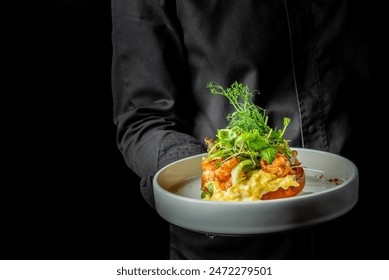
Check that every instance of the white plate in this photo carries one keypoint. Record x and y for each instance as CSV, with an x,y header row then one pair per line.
x,y
177,198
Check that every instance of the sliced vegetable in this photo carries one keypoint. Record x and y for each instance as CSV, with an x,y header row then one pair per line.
x,y
235,172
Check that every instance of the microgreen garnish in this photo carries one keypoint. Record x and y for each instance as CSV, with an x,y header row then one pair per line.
x,y
247,135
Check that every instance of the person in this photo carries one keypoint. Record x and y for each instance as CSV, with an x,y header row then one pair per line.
x,y
306,58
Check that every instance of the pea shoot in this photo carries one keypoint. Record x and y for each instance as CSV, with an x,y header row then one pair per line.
x,y
247,135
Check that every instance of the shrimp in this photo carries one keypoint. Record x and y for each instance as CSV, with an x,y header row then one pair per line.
x,y
209,142
280,166
209,167
296,161
223,173
212,171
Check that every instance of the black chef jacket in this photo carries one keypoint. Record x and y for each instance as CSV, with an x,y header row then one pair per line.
x,y
306,58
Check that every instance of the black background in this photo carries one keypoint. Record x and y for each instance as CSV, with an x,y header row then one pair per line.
x,y
67,192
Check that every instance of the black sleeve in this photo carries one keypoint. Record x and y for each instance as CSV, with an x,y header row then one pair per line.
x,y
147,68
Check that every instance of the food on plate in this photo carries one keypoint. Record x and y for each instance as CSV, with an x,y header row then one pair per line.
x,y
248,160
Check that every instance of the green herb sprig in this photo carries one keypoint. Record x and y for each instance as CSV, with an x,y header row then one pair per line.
x,y
247,135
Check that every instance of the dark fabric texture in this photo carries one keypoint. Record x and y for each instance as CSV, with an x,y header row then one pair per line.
x,y
308,59
174,146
